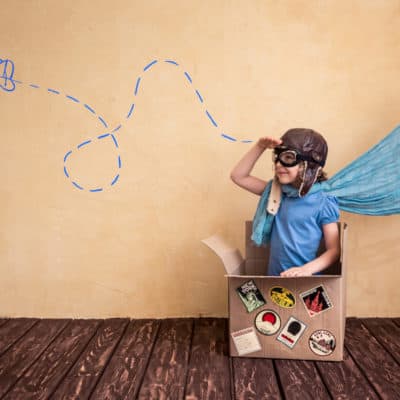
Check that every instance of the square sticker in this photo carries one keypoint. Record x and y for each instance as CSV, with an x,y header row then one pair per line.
x,y
246,341
316,300
250,296
291,332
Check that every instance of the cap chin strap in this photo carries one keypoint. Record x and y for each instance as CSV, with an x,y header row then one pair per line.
x,y
274,199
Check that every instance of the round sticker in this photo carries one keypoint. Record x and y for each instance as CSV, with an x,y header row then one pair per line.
x,y
267,322
322,342
282,297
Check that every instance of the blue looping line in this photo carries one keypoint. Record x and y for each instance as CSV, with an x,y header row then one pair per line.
x,y
211,119
53,91
103,122
67,155
149,65
130,111
115,140
137,85
103,136
115,180
199,96
188,77
89,108
83,144
66,172
75,184
228,137
72,98
171,62
117,128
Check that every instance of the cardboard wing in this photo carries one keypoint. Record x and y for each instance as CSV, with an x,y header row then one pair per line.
x,y
231,257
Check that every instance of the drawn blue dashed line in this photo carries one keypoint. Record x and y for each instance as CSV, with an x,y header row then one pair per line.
x,y
211,119
247,141
117,128
137,85
53,91
119,162
103,122
115,180
96,190
67,155
34,86
228,137
188,77
66,172
89,108
199,96
171,62
115,141
149,65
83,144
75,184
103,136
72,98
15,81
130,111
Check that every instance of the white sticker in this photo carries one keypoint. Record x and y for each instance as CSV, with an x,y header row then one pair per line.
x,y
291,333
246,341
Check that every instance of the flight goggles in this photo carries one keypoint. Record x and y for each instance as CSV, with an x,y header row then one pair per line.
x,y
289,157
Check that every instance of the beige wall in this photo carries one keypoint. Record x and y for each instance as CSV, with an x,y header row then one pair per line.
x,y
261,66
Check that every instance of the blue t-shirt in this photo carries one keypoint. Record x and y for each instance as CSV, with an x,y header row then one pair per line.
x,y
297,229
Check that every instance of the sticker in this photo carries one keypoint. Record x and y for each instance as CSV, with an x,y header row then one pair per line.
x,y
267,322
246,341
322,342
291,333
282,297
316,300
250,296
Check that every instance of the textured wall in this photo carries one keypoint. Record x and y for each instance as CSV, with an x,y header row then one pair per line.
x,y
134,248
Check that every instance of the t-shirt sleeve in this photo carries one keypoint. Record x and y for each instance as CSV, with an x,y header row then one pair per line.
x,y
329,211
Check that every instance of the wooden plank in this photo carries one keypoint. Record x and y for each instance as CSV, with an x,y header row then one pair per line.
x,y
26,351
48,371
3,321
165,377
125,371
344,380
209,365
82,378
396,321
13,330
387,333
301,380
379,367
255,379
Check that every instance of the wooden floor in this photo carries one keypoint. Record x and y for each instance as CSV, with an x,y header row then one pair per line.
x,y
184,359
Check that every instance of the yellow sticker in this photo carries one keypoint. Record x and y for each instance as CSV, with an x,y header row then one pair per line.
x,y
282,297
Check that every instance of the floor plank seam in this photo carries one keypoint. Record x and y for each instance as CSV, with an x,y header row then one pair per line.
x,y
139,387
37,357
321,375
75,361
109,358
381,343
189,359
278,380
361,370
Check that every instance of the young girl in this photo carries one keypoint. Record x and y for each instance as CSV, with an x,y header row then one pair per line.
x,y
294,213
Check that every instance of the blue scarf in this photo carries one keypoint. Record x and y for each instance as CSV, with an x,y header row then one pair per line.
x,y
370,185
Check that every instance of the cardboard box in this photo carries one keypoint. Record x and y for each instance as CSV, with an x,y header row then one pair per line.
x,y
276,317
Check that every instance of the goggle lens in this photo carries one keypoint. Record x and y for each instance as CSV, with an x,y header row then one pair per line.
x,y
288,158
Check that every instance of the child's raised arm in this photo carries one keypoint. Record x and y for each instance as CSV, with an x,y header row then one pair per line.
x,y
241,172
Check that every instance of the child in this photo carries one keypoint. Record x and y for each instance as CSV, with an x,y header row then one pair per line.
x,y
304,214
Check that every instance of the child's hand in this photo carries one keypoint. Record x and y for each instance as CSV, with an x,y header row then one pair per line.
x,y
296,271
268,142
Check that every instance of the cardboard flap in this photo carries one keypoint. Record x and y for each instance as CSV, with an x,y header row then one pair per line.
x,y
231,257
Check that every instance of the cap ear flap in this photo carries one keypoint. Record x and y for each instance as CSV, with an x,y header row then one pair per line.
x,y
309,177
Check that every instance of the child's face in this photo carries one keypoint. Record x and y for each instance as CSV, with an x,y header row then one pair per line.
x,y
287,175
